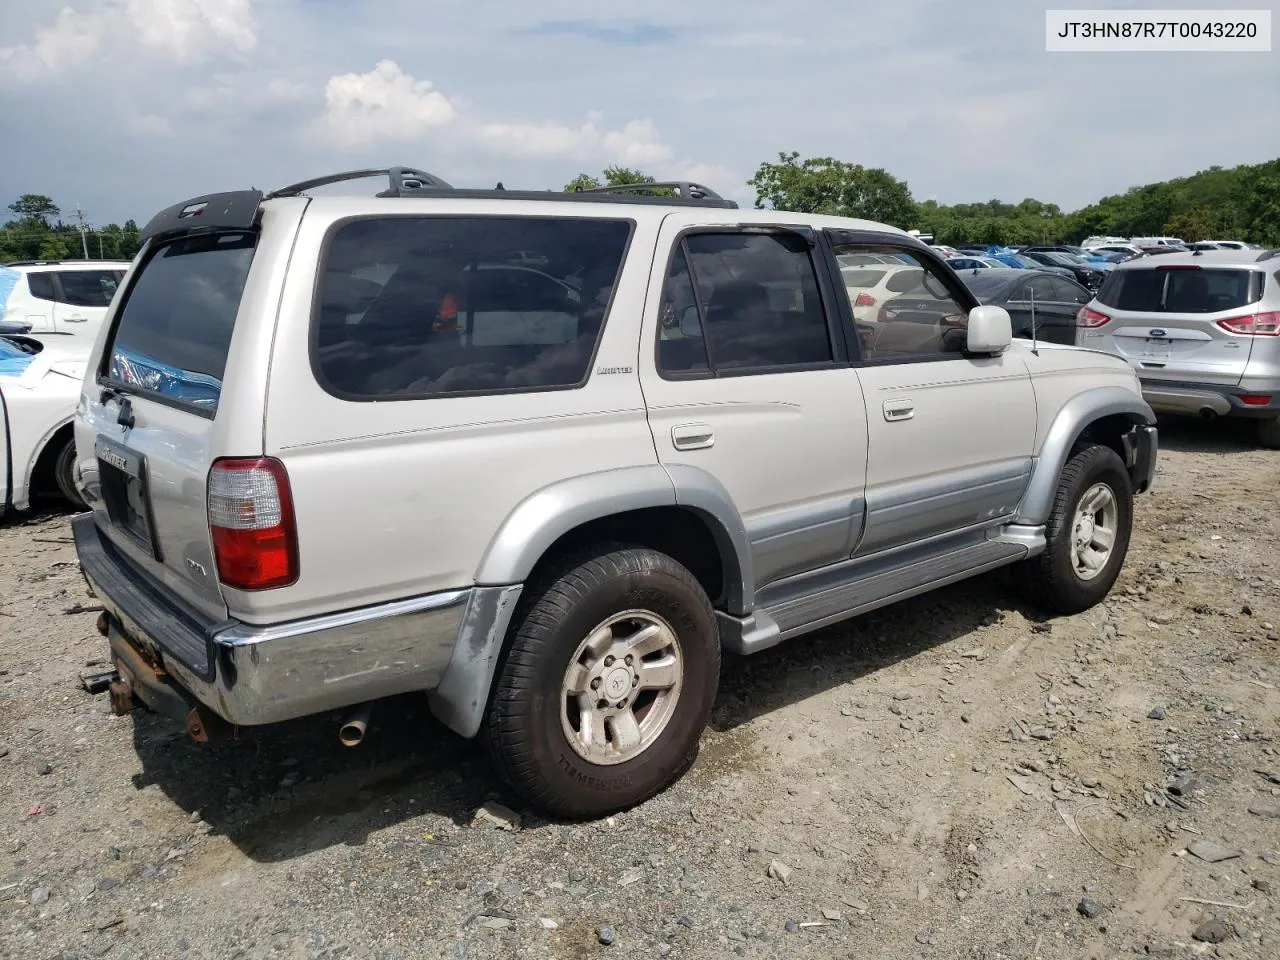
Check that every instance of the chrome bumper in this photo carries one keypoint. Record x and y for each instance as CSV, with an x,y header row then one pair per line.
x,y
265,674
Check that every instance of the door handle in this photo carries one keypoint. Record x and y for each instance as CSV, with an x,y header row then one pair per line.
x,y
76,319
692,436
901,409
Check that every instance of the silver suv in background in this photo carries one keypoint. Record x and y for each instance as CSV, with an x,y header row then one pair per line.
x,y
1201,329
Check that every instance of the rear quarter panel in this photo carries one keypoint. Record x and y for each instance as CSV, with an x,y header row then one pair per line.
x,y
401,498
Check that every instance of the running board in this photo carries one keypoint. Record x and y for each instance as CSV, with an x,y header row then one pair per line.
x,y
771,625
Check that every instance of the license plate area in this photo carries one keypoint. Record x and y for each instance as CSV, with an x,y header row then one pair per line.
x,y
125,493
1155,349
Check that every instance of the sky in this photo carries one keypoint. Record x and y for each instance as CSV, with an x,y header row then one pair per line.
x,y
127,106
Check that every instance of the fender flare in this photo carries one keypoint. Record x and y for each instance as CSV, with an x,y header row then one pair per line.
x,y
1071,421
37,452
462,695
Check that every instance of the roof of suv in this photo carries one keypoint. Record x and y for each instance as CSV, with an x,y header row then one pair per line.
x,y
238,210
30,265
1204,258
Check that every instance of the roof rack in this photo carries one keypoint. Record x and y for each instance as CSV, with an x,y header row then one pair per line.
x,y
403,181
685,190
54,263
1267,255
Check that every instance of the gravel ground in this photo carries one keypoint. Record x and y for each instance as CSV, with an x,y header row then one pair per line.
x,y
954,776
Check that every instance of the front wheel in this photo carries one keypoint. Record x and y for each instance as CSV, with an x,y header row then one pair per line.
x,y
608,684
1087,534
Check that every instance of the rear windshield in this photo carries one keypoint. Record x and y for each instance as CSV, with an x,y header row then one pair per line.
x,y
412,307
861,278
1180,291
172,335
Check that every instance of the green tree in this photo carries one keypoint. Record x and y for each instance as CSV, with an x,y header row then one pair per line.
x,y
35,206
613,176
1193,226
829,186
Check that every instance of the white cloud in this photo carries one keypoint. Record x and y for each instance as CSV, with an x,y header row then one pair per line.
x,y
636,143
186,30
385,104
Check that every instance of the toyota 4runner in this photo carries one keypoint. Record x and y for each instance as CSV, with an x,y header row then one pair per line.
x,y
546,456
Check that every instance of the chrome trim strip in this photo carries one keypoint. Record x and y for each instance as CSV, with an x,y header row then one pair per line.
x,y
244,634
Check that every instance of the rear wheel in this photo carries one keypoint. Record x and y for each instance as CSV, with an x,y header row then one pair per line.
x,y
1087,534
64,474
1269,433
608,684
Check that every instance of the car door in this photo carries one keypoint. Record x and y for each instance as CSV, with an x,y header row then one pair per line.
x,y
39,301
749,388
950,436
81,298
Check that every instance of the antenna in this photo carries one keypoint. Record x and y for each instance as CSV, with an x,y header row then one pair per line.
x,y
1034,346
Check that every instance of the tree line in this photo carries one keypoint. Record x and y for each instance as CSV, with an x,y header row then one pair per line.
x,y
37,232
1239,203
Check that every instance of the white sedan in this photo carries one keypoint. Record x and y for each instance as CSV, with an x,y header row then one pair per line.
x,y
39,385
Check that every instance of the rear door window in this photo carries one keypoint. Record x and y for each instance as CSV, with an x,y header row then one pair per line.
x,y
41,285
415,307
88,288
172,334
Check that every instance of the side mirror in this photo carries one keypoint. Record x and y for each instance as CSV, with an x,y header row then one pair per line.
x,y
990,330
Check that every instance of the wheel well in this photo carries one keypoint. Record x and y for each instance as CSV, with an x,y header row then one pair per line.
x,y
682,534
42,480
1108,431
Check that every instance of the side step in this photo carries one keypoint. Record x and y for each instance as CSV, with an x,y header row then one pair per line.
x,y
862,593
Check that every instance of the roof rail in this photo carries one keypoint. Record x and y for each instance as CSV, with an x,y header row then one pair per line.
x,y
1267,255
685,190
403,181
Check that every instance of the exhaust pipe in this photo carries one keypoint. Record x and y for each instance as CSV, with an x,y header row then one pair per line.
x,y
1208,413
352,731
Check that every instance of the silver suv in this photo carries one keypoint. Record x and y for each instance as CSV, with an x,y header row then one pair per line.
x,y
544,457
1201,329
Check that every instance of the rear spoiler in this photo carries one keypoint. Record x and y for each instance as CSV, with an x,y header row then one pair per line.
x,y
237,210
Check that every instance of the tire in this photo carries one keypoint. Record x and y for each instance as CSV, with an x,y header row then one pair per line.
x,y
64,467
1053,580
1269,433
585,614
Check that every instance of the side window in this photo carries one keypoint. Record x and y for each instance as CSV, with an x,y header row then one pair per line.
x,y
41,285
1021,293
1067,292
414,307
756,305
912,315
1044,289
87,288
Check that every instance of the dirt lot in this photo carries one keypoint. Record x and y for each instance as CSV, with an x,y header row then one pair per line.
x,y
951,777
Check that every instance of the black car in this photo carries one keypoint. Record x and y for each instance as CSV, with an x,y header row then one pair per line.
x,y
1054,299
1084,274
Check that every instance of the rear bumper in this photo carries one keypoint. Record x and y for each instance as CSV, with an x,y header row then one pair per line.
x,y
266,674
1197,399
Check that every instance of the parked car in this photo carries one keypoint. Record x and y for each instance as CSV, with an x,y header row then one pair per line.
x,y
1201,329
1162,249
59,296
1156,241
868,287
1088,274
1056,248
1020,262
39,385
1090,242
1234,245
1032,297
1126,250
975,263
556,538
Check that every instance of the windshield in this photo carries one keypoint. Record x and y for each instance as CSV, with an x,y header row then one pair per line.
x,y
172,336
1159,290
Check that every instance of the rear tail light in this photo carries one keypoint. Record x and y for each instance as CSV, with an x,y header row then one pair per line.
x,y
864,299
1091,318
255,541
1257,400
1256,325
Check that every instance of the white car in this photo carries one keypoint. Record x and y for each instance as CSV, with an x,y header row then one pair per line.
x,y
59,296
871,285
1090,242
39,384
1234,245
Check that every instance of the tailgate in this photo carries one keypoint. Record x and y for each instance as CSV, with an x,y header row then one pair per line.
x,y
146,429
1166,321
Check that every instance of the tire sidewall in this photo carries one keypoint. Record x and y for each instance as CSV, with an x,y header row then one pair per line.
x,y
599,788
1103,466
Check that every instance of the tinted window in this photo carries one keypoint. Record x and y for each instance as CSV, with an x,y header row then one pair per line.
x,y
40,285
1179,291
426,306
1064,291
171,337
88,288
923,320
757,300
681,346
